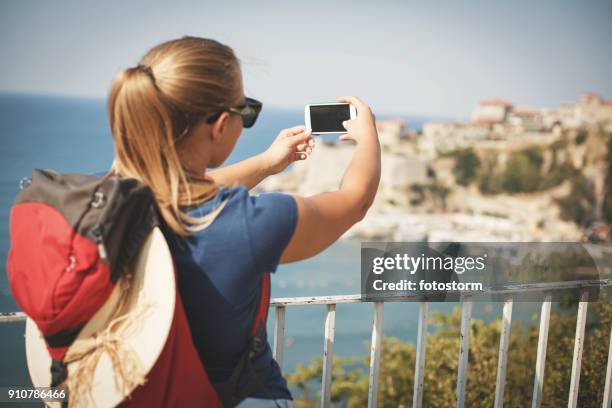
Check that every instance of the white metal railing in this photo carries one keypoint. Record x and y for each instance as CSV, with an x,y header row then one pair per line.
x,y
280,305
508,292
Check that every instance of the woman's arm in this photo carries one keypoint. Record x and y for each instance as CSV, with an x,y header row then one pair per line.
x,y
248,173
323,218
290,145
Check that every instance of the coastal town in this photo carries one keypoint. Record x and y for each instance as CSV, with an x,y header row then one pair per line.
x,y
512,173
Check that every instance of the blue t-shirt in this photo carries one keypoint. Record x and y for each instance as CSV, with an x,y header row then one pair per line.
x,y
219,274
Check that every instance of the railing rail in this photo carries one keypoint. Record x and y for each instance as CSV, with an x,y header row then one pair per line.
x,y
504,341
508,292
464,349
538,383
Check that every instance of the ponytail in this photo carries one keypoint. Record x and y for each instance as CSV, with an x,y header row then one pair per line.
x,y
144,125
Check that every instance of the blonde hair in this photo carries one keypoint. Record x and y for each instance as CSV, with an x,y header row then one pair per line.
x,y
152,107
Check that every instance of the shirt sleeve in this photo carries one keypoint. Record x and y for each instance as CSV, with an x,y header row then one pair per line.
x,y
270,221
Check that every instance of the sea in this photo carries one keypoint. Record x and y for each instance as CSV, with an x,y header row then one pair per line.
x,y
72,135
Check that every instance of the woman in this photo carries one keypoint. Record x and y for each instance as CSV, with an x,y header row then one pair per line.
x,y
180,112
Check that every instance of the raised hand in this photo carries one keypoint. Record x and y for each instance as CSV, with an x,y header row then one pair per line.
x,y
290,145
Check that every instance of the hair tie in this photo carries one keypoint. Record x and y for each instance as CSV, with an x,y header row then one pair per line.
x,y
146,69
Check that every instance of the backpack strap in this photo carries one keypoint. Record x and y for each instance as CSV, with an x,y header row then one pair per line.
x,y
59,373
230,392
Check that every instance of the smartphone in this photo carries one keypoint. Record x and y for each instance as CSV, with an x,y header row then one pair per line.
x,y
323,118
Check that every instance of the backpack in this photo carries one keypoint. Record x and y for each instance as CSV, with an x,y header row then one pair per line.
x,y
72,236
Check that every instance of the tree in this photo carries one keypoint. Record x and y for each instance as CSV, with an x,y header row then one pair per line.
x,y
522,173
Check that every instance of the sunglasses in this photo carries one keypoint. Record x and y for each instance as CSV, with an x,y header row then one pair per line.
x,y
248,112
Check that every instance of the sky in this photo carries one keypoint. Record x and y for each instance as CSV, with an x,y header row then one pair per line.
x,y
430,58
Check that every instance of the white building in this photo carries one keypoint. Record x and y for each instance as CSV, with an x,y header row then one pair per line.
x,y
526,119
491,111
391,132
590,109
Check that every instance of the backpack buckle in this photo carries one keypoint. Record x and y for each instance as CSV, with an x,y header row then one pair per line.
x,y
25,182
99,200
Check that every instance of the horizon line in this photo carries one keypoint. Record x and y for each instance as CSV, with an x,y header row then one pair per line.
x,y
95,98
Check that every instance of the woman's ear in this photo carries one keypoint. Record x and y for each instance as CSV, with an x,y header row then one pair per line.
x,y
219,127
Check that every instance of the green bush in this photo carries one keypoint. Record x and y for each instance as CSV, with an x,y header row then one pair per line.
x,y
578,205
466,166
581,137
522,173
490,183
557,174
396,378
433,191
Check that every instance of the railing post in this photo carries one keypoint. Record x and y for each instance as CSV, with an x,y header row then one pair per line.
x,y
375,354
504,341
607,399
578,346
279,335
464,349
538,382
328,355
419,369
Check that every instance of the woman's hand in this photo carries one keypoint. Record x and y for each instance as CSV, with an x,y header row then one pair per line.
x,y
363,127
290,145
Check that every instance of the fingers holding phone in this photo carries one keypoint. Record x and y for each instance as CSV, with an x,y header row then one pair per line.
x,y
290,145
363,126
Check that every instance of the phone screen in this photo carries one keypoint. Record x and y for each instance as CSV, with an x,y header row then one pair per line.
x,y
329,118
